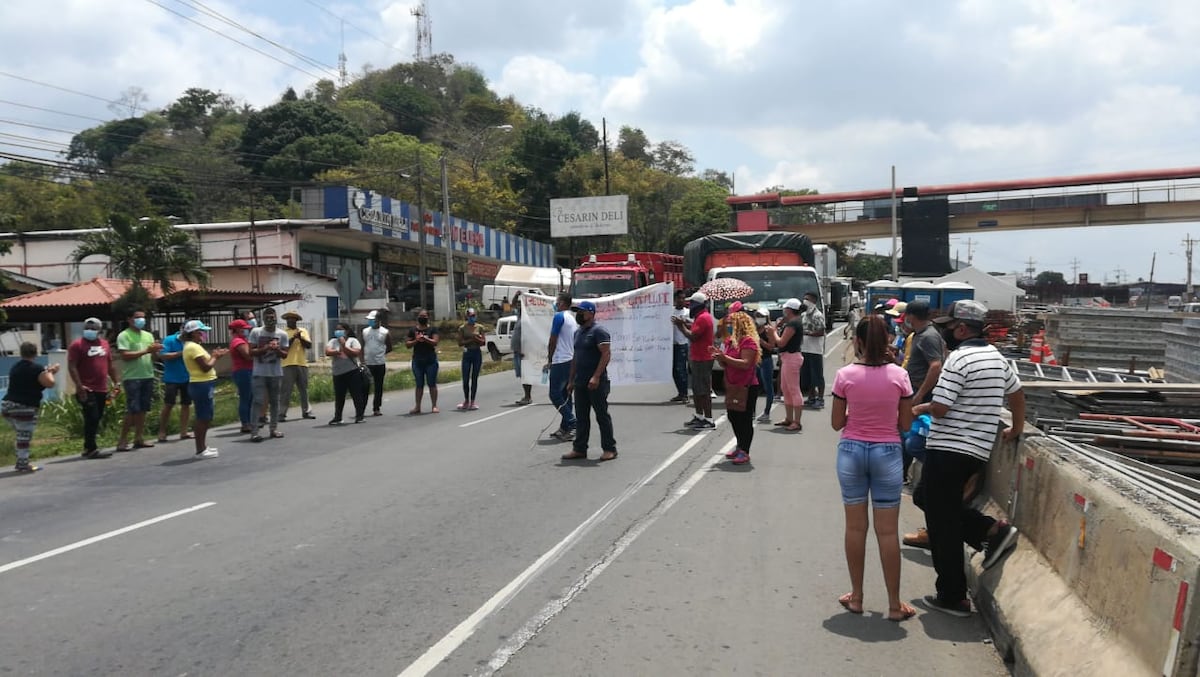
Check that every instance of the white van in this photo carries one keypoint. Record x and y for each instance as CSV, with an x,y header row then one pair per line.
x,y
494,296
499,342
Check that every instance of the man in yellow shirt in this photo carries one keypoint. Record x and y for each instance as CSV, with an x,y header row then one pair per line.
x,y
295,366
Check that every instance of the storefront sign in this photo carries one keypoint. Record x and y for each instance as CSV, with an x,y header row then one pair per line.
x,y
607,215
481,269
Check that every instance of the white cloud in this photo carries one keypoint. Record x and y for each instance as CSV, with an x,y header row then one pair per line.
x,y
541,82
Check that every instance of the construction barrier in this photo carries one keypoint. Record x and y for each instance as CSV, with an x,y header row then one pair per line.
x,y
1104,577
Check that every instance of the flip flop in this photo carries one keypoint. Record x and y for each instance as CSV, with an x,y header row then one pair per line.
x,y
848,603
905,612
182,436
143,445
414,412
435,410
275,434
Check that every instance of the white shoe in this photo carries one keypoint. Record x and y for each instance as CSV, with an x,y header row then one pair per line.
x,y
210,452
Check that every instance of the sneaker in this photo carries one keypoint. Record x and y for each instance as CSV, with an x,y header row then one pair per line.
x,y
696,420
377,413
563,435
917,540
765,418
1000,544
27,467
471,406
462,406
808,402
309,414
210,452
678,398
960,609
705,424
336,421
733,452
742,458
818,403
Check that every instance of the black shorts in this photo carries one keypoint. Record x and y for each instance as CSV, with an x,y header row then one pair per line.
x,y
170,390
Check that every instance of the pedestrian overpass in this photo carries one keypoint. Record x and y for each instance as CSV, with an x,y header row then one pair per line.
x,y
1113,199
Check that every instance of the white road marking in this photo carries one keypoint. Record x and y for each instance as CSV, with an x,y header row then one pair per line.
x,y
437,653
835,347
102,537
530,629
503,413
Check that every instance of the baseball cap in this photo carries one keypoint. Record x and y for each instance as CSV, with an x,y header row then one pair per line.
x,y
470,311
918,309
891,302
965,310
93,322
898,309
699,297
763,312
792,304
195,325
235,325
585,305
373,314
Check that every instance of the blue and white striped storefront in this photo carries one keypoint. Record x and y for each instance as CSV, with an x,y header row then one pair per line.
x,y
372,213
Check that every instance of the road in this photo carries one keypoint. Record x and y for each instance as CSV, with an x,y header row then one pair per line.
x,y
457,544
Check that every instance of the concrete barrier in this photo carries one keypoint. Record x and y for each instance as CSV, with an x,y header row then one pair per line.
x,y
1104,577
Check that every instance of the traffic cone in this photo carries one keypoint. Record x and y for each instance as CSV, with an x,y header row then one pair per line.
x,y
1048,354
1035,348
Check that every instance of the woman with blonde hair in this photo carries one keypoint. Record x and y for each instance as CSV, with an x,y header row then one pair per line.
x,y
740,357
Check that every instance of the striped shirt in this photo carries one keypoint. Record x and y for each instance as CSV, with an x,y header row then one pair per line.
x,y
975,378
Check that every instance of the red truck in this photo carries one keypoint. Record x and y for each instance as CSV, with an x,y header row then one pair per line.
x,y
617,272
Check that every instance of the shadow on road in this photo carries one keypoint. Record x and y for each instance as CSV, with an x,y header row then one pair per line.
x,y
917,556
869,627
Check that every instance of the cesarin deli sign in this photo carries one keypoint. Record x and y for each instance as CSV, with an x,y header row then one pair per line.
x,y
583,216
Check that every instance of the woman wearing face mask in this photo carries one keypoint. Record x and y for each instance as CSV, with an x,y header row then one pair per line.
x,y
768,339
243,372
423,340
872,404
344,349
471,338
202,379
791,337
740,357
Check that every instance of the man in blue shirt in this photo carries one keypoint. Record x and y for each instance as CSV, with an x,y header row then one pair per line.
x,y
589,381
175,386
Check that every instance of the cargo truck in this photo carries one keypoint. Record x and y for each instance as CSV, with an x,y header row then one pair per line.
x,y
615,273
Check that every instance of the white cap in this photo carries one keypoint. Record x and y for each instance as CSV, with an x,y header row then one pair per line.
x,y
792,304
699,297
195,325
93,322
372,315
763,312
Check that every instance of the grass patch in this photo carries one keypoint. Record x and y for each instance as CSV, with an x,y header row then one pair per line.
x,y
60,424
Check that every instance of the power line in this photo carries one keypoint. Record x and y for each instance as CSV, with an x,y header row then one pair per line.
x,y
65,89
360,30
196,4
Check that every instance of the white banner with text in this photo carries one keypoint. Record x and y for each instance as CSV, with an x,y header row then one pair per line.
x,y
638,321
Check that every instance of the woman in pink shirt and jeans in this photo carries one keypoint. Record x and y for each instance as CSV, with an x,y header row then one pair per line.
x,y
872,404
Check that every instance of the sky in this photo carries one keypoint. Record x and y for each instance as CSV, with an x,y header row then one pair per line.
x,y
776,92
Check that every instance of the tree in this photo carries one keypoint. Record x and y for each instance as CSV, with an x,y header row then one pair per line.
x,y
276,127
673,158
1048,278
539,152
148,250
633,144
100,147
718,177
129,103
199,110
699,211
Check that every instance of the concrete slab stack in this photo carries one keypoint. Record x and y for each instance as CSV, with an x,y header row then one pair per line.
x,y
1110,338
1183,350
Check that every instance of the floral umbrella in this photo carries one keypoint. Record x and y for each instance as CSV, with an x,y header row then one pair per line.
x,y
726,289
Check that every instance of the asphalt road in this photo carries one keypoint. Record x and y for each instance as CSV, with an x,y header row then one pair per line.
x,y
457,544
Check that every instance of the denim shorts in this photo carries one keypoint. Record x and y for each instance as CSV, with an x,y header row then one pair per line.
x,y
425,373
202,398
139,395
874,468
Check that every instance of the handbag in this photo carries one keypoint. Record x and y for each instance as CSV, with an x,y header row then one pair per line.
x,y
736,397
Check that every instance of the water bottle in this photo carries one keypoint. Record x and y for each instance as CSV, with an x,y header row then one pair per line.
x,y
546,375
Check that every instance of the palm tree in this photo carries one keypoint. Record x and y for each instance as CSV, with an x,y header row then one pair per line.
x,y
149,250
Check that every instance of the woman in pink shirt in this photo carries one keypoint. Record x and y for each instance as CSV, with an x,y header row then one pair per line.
x,y
243,369
740,357
872,404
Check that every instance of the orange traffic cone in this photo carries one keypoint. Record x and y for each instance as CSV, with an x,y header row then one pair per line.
x,y
1048,354
1035,348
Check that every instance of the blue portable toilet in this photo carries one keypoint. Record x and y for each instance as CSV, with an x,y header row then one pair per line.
x,y
955,291
882,290
923,291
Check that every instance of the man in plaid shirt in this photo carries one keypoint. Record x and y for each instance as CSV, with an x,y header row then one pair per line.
x,y
812,347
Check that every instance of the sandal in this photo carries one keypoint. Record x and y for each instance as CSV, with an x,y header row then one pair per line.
x,y
143,445
903,613
123,447
414,412
275,435
784,424
851,602
794,428
256,438
163,439
182,436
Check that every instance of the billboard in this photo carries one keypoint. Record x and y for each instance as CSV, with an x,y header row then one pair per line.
x,y
583,216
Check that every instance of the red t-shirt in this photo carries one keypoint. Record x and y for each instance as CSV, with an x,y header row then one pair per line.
x,y
702,337
239,363
747,376
91,359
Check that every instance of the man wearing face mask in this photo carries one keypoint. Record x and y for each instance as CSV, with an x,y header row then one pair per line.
x,y
174,387
268,347
680,345
560,351
812,348
377,343
701,335
92,369
967,405
137,348
295,367
471,339
588,380
423,340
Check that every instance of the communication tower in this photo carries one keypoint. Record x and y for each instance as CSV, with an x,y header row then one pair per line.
x,y
424,48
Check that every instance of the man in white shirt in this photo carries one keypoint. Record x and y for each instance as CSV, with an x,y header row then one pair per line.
x,y
560,354
377,343
679,355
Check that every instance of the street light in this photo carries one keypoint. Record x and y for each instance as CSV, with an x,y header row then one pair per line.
x,y
446,239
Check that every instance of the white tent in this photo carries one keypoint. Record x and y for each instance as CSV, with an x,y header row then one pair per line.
x,y
990,290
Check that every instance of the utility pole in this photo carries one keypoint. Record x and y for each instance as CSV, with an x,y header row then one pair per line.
x,y
1150,285
421,272
971,242
1188,243
607,186
447,239
895,252
1075,270
1030,267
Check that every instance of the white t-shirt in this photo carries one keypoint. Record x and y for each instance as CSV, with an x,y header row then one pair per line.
x,y
564,327
974,380
340,364
375,345
681,339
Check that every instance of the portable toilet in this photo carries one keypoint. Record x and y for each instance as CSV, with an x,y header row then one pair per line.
x,y
882,290
923,291
955,291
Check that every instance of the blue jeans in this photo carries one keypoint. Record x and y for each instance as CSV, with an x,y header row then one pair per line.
x,y
472,362
766,382
243,379
679,368
870,468
559,375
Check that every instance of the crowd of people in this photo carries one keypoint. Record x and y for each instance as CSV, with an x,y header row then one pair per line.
x,y
907,364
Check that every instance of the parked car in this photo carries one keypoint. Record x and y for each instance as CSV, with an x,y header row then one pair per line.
x,y
499,341
1193,307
